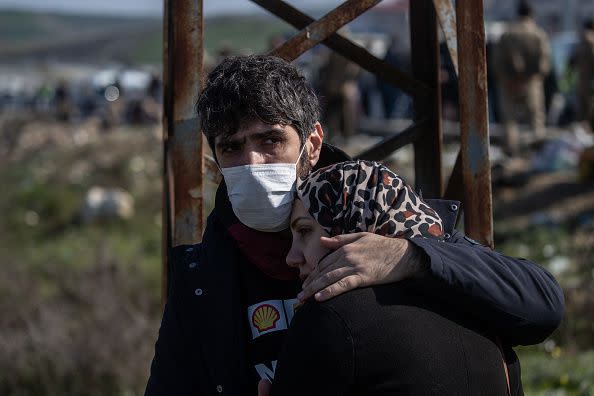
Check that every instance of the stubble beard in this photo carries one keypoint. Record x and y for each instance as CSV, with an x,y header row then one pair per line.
x,y
304,166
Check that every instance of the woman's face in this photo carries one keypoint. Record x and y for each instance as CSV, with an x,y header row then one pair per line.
x,y
306,250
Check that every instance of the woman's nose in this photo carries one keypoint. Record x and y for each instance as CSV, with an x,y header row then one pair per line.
x,y
294,257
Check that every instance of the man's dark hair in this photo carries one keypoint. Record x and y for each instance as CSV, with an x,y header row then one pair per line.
x,y
589,24
525,9
256,87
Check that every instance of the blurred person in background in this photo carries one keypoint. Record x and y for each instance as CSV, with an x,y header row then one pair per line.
x,y
63,101
584,61
231,297
493,91
522,59
340,94
395,103
224,50
449,83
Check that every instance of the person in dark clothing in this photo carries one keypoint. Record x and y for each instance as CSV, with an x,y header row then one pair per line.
x,y
449,84
231,297
376,340
395,103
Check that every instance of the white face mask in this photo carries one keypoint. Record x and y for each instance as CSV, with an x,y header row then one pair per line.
x,y
262,195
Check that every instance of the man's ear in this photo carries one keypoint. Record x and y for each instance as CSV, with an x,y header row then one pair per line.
x,y
314,143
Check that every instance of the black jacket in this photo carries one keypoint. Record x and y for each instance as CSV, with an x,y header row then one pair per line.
x,y
383,340
200,339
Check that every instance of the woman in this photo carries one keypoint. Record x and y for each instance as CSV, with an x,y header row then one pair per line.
x,y
379,340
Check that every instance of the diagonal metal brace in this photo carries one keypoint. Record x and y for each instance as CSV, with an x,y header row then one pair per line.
x,y
387,146
447,20
349,50
318,31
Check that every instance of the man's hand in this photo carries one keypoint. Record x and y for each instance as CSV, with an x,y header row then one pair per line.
x,y
264,388
359,260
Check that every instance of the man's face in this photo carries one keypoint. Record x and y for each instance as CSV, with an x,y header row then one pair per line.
x,y
259,143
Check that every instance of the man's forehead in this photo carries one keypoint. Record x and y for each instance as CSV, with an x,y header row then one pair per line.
x,y
254,128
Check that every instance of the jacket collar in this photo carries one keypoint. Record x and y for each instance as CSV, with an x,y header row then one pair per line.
x,y
448,211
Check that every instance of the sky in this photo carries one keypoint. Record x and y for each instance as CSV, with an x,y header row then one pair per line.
x,y
146,7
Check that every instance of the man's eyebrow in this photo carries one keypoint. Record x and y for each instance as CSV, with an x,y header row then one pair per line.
x,y
272,132
227,141
297,219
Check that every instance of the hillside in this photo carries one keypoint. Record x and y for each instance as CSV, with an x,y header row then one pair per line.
x,y
83,38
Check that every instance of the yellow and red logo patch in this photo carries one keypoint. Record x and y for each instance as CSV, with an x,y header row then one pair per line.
x,y
270,315
265,317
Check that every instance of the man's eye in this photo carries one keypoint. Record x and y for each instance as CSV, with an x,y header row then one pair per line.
x,y
228,149
271,141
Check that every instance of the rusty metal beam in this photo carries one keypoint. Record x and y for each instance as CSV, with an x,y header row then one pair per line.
x,y
472,85
425,66
166,223
184,148
318,31
349,50
447,21
388,145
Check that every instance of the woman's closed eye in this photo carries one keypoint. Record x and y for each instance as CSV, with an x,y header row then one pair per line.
x,y
303,231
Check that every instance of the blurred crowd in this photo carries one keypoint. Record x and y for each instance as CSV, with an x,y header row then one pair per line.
x,y
533,80
116,95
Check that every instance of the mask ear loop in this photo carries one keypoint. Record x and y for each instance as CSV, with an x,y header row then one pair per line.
x,y
300,154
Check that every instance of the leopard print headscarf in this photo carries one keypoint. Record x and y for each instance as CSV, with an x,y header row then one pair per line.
x,y
356,196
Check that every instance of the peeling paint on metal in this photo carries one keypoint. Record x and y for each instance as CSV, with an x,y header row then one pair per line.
x,y
184,149
476,154
474,127
447,20
188,131
195,192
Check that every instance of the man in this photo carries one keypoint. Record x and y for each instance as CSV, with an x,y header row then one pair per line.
x,y
522,60
584,59
338,87
231,297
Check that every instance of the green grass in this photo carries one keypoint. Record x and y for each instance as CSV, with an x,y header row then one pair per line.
x,y
42,187
23,26
150,49
246,33
250,33
557,372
